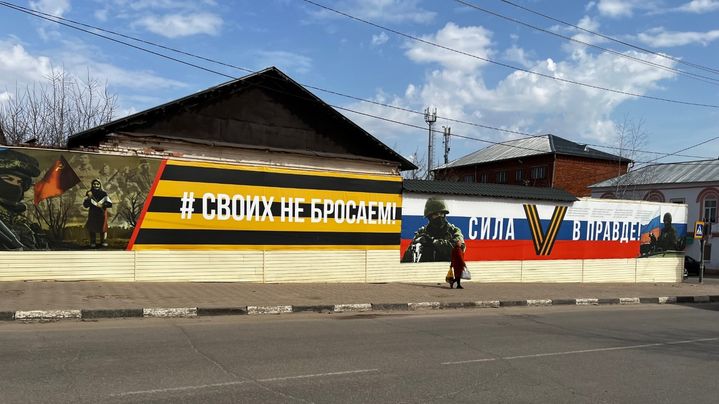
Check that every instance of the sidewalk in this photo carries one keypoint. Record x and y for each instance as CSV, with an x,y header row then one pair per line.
x,y
30,300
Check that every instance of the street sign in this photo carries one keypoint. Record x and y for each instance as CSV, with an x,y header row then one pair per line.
x,y
699,230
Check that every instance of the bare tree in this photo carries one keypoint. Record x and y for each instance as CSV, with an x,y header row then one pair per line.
x,y
421,171
132,209
632,138
48,112
54,213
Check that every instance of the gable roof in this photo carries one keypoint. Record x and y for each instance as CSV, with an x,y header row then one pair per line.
x,y
295,100
667,173
531,146
488,190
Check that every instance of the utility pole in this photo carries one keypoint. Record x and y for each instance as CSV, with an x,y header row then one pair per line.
x,y
430,118
447,131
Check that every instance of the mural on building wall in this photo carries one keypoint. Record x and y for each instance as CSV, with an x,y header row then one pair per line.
x,y
62,200
199,205
493,230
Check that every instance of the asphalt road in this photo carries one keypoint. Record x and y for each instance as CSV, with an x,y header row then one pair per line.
x,y
637,354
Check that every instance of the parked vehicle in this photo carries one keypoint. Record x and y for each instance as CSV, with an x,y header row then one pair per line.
x,y
691,266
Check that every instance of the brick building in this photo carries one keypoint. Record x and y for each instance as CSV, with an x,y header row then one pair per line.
x,y
540,161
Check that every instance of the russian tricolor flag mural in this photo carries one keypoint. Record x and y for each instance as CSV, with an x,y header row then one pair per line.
x,y
501,230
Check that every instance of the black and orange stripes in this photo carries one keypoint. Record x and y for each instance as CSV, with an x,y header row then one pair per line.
x,y
544,241
174,215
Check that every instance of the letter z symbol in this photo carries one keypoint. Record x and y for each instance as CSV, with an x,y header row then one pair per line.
x,y
544,240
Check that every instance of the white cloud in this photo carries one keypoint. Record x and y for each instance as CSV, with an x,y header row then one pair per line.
x,y
380,39
287,61
523,101
380,10
624,8
169,18
518,55
470,40
143,5
660,38
54,7
615,8
102,14
180,25
699,6
19,66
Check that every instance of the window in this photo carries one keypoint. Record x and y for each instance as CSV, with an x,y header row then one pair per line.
x,y
677,200
518,175
710,210
501,177
483,177
539,173
469,178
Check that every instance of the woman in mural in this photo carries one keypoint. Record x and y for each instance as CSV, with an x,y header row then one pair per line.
x,y
97,202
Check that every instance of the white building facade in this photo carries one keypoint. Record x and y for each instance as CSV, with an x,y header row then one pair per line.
x,y
694,183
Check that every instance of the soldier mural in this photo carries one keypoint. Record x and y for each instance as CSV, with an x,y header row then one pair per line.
x,y
667,240
50,202
434,241
17,171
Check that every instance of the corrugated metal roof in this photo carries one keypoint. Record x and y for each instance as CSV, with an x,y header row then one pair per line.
x,y
488,190
668,173
530,146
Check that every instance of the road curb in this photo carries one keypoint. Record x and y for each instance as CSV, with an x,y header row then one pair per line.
x,y
110,313
189,312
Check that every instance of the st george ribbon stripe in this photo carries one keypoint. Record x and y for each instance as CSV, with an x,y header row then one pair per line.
x,y
279,180
250,237
166,204
557,218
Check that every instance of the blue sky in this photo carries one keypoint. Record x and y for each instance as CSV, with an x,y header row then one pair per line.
x,y
320,48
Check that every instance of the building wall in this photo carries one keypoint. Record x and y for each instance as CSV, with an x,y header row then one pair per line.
x,y
490,170
296,265
127,145
574,174
690,194
313,266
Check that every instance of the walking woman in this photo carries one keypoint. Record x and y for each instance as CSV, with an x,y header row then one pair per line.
x,y
457,264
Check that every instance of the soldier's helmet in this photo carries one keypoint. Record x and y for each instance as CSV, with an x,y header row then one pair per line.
x,y
434,205
667,217
19,164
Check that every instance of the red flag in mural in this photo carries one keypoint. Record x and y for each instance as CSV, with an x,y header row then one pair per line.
x,y
58,179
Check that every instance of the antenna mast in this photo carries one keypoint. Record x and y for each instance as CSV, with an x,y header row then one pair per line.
x,y
430,118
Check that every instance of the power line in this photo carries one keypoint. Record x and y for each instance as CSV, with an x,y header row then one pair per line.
x,y
664,155
52,18
687,148
508,66
57,21
607,37
706,79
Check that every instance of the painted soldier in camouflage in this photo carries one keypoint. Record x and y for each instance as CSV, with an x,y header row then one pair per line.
x,y
16,174
434,241
668,239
